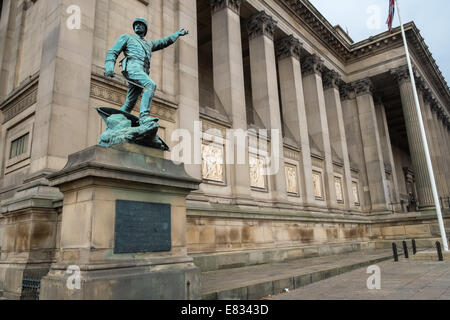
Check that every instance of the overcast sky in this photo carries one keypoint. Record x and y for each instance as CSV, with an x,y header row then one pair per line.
x,y
360,17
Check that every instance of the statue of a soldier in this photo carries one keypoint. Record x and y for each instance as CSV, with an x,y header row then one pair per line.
x,y
136,64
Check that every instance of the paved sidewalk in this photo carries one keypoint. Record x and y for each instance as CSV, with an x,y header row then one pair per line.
x,y
404,280
254,282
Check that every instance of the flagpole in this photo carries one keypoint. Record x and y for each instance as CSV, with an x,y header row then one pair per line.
x,y
424,137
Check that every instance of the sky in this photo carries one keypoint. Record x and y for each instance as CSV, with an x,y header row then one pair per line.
x,y
365,18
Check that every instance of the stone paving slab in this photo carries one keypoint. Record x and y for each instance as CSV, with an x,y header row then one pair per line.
x,y
403,280
255,282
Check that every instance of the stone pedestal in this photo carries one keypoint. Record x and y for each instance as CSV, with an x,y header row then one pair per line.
x,y
119,204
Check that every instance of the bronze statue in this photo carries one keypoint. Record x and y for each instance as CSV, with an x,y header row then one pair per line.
x,y
121,125
136,64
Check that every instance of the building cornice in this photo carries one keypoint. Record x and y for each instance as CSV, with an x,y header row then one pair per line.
x,y
347,52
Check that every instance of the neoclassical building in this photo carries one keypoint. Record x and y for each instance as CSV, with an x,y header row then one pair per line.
x,y
352,169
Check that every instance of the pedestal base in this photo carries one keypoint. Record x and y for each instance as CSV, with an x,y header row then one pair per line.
x,y
161,282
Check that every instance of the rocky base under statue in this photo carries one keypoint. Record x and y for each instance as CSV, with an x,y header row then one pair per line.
x,y
123,127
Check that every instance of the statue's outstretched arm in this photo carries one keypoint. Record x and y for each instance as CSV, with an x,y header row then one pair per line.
x,y
169,40
113,53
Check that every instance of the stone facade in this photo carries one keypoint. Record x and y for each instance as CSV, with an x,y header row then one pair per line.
x,y
351,166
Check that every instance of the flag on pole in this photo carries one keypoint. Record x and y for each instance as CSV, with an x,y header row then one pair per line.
x,y
390,18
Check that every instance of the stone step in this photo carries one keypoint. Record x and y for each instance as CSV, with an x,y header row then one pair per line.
x,y
431,255
255,282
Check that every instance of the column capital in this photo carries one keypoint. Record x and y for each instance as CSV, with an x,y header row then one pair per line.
x,y
261,24
440,112
288,47
434,104
421,84
401,74
346,90
377,99
427,96
331,79
312,64
217,5
363,86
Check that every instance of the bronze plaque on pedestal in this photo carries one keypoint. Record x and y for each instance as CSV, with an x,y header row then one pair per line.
x,y
142,227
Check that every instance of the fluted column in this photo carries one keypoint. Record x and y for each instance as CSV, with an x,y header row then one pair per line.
x,y
354,140
443,141
294,112
336,126
373,154
446,154
261,29
423,184
386,146
317,119
436,144
445,135
228,70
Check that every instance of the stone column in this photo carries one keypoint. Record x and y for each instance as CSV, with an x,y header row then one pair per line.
x,y
446,138
387,149
228,69
64,86
354,140
436,143
443,140
9,43
294,112
317,119
261,29
188,90
430,131
336,126
415,141
373,153
168,71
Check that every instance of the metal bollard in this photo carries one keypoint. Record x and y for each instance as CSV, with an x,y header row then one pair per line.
x,y
439,251
414,248
405,250
394,248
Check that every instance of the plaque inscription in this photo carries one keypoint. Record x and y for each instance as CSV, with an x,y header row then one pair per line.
x,y
142,227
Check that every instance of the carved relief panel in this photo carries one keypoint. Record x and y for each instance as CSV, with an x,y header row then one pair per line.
x,y
212,162
291,179
317,184
257,172
338,187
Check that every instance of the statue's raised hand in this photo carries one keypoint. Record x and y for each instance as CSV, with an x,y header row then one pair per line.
x,y
182,32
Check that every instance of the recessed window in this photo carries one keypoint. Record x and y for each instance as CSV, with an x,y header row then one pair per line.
x,y
19,146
